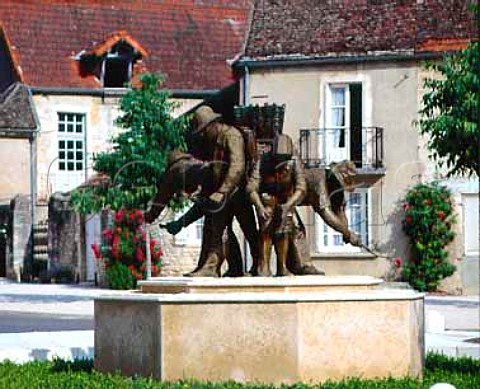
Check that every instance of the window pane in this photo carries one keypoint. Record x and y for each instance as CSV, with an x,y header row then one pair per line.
x,y
338,96
61,144
79,166
79,128
70,166
61,127
70,117
79,156
61,155
61,165
70,144
69,127
79,145
61,117
338,117
70,155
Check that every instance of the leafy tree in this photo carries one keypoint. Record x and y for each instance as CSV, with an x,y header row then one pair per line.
x,y
139,155
451,112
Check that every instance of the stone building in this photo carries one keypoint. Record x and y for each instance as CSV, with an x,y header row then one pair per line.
x,y
75,59
351,76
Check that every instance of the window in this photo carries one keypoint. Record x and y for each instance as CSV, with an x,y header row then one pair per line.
x,y
471,223
71,142
356,209
343,122
117,66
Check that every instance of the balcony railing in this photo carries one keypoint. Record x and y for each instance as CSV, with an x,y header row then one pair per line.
x,y
363,146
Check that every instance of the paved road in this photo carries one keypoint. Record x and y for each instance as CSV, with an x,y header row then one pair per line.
x,y
16,322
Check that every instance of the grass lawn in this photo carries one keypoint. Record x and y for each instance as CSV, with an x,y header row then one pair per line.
x,y
463,373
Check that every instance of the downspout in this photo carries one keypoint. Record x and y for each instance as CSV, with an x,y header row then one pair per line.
x,y
33,191
33,174
245,101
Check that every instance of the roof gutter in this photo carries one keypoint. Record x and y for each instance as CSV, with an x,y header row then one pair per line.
x,y
354,59
119,92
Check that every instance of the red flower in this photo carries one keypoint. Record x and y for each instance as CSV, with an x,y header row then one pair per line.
x,y
440,215
152,245
136,239
131,267
140,254
139,277
115,251
107,234
139,215
397,262
408,219
119,215
96,250
427,202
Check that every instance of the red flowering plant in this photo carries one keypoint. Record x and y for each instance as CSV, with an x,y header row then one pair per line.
x,y
123,250
428,219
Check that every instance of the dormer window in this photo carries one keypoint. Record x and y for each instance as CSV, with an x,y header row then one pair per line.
x,y
112,61
117,65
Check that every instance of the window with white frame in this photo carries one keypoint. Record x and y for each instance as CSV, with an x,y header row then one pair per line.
x,y
343,123
357,212
471,223
71,142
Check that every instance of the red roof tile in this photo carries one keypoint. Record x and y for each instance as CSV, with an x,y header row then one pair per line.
x,y
189,41
285,28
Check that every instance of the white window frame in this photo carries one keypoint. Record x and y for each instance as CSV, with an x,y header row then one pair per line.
x,y
468,207
323,231
331,127
64,179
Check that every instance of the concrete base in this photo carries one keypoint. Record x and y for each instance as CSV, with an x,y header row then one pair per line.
x,y
262,336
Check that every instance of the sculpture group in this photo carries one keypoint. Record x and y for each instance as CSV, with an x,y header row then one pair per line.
x,y
231,170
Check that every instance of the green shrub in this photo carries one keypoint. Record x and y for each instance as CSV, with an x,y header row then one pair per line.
x,y
118,276
463,373
428,219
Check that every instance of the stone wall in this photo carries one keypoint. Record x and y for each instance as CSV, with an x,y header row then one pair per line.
x,y
64,239
21,237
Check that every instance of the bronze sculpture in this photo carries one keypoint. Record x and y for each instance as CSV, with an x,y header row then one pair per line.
x,y
216,177
277,185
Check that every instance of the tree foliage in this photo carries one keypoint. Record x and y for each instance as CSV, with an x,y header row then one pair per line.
x,y
451,112
139,155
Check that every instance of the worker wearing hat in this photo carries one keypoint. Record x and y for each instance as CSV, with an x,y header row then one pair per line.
x,y
223,146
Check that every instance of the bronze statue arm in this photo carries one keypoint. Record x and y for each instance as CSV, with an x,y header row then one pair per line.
x,y
236,169
253,187
300,185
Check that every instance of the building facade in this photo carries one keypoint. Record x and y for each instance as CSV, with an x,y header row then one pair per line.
x,y
351,76
76,59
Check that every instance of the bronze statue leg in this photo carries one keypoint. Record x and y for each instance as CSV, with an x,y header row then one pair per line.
x,y
281,243
265,254
213,253
234,255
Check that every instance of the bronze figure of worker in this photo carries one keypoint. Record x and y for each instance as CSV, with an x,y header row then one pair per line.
x,y
223,146
277,185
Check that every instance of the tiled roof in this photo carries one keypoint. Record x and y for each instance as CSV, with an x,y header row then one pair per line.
x,y
16,110
187,40
306,28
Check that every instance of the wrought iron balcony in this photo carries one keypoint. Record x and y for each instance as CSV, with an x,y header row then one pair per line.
x,y
362,145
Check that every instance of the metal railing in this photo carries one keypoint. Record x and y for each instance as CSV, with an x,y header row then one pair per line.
x,y
361,145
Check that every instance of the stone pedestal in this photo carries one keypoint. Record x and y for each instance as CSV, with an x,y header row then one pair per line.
x,y
261,330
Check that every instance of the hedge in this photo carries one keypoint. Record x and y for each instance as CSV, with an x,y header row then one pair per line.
x,y
463,373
